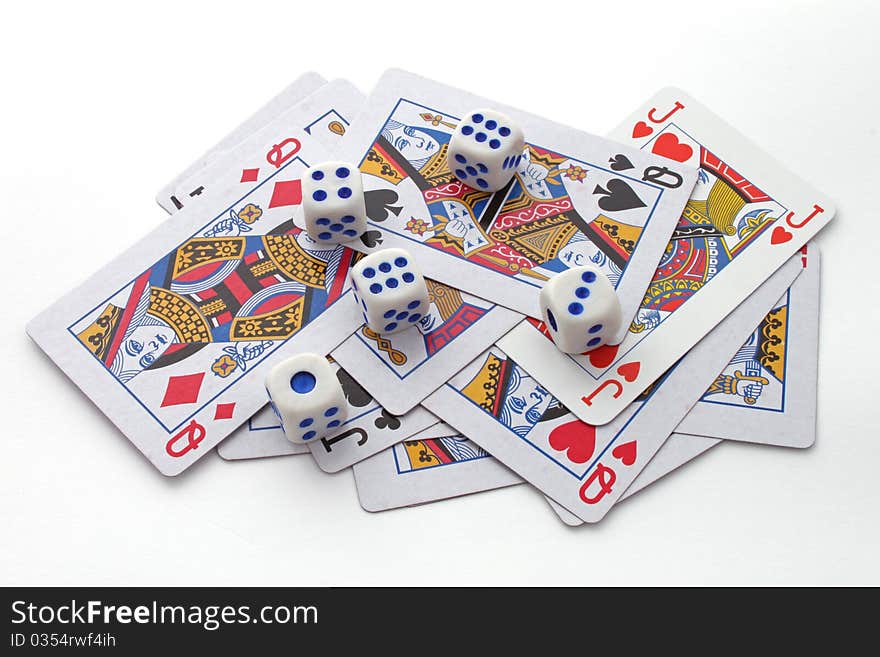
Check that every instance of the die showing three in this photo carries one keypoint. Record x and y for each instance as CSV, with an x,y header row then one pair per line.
x,y
581,309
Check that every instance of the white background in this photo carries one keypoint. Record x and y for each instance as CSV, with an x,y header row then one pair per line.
x,y
102,103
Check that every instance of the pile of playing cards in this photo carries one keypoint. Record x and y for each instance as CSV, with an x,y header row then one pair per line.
x,y
703,235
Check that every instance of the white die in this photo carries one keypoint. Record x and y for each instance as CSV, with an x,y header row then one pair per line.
x,y
307,397
581,309
333,202
485,149
390,289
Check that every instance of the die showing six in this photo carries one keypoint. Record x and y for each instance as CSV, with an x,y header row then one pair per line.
x,y
485,149
307,397
390,290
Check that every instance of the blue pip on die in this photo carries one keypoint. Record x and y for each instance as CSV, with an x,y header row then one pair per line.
x,y
580,309
333,203
390,290
485,149
307,397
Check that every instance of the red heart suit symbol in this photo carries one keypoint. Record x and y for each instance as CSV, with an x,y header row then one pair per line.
x,y
603,356
625,453
641,129
780,235
576,438
630,371
668,145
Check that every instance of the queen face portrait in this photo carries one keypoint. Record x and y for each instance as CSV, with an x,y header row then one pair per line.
x,y
141,347
414,144
145,345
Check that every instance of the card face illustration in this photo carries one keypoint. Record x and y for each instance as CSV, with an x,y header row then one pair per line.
x,y
323,115
186,185
368,429
583,467
747,216
767,393
575,199
426,468
172,339
401,369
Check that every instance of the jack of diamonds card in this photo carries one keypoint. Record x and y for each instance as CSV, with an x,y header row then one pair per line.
x,y
172,339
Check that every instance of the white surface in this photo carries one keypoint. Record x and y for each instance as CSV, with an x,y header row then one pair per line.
x,y
101,105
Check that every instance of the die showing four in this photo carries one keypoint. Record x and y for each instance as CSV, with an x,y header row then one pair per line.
x,y
485,149
581,309
307,397
390,290
333,202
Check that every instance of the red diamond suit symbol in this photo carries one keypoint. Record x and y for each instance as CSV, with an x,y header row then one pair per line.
x,y
183,389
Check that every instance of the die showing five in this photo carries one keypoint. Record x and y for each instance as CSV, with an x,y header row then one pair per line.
x,y
333,202
581,309
390,290
307,397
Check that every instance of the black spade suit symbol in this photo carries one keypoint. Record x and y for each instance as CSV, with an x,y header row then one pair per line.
x,y
352,390
380,202
371,238
619,196
620,162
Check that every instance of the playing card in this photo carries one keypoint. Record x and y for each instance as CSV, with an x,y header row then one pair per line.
x,y
427,468
175,193
787,414
583,467
678,450
401,369
767,393
260,437
368,425
775,407
323,115
747,215
172,339
575,199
